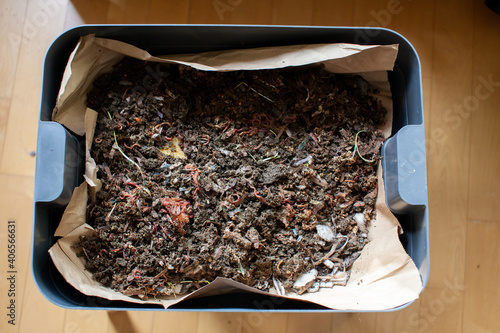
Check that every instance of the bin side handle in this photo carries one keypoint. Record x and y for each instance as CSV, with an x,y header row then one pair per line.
x,y
404,163
56,164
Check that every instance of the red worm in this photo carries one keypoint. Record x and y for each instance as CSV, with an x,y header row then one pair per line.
x,y
133,184
261,199
135,144
136,273
195,174
292,212
234,202
206,137
260,145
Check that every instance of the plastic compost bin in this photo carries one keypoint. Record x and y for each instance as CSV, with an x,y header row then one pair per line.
x,y
60,153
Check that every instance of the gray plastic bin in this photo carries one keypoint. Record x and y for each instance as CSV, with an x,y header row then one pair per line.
x,y
60,153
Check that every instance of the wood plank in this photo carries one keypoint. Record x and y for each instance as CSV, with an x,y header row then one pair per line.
x,y
39,315
333,13
216,322
261,322
12,17
85,321
127,12
255,322
440,309
130,321
353,322
210,12
251,12
175,322
86,12
399,321
73,17
482,263
482,105
292,12
442,305
4,116
451,80
45,23
16,205
302,322
168,12
366,13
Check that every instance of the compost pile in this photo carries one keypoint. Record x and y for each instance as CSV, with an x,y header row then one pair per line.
x,y
265,177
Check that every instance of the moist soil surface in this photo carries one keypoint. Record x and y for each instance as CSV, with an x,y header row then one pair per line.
x,y
258,176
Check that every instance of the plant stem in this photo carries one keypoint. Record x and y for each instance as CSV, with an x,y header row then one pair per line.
x,y
120,150
357,150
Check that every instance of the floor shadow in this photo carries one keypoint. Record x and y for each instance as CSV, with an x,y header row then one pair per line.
x,y
121,322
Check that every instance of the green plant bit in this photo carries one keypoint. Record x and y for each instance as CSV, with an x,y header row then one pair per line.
x,y
357,150
125,155
120,150
255,91
252,157
270,85
241,268
111,212
172,287
271,158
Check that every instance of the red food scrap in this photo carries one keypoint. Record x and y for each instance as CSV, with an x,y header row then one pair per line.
x,y
179,211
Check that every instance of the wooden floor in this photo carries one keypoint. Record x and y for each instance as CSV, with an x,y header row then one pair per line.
x,y
459,47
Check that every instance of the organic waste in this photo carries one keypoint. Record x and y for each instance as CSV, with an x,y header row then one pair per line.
x,y
266,177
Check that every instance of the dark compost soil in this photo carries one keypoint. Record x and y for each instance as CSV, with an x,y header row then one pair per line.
x,y
257,176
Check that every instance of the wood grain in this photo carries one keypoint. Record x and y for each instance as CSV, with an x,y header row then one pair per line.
x,y
209,12
127,12
447,161
86,12
12,19
292,12
441,308
168,12
43,24
333,13
251,12
483,105
130,322
353,322
12,16
482,295
176,322
458,44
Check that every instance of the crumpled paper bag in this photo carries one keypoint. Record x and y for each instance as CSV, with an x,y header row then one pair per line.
x,y
383,277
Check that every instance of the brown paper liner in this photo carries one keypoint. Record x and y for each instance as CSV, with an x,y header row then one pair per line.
x,y
383,277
